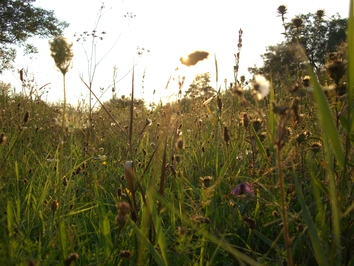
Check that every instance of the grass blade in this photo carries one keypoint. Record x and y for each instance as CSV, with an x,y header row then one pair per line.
x,y
146,243
315,240
327,124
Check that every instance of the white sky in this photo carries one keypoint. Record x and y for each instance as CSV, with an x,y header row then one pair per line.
x,y
169,29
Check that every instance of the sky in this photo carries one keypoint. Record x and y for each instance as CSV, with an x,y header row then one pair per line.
x,y
163,31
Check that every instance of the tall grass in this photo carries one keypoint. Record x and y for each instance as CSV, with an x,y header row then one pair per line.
x,y
153,187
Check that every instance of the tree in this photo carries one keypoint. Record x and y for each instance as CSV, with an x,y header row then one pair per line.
x,y
200,87
315,34
19,21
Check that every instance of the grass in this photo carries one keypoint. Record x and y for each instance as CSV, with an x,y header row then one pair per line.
x,y
120,190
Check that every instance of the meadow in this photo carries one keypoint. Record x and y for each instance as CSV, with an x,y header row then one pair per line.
x,y
246,177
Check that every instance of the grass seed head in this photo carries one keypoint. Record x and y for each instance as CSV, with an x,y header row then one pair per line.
x,y
219,103
61,51
226,136
26,117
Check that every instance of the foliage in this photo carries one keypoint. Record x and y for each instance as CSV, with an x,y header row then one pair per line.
x,y
317,35
200,87
20,21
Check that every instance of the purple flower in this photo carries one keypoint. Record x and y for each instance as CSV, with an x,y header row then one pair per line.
x,y
243,188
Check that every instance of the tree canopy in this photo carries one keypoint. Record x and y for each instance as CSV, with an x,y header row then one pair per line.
x,y
19,21
200,87
315,33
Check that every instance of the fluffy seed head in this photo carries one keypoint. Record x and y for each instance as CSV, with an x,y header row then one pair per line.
x,y
62,53
260,87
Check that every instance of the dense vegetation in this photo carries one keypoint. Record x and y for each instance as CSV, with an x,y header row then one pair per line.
x,y
258,176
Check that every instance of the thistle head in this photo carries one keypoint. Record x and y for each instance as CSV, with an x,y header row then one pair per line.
x,y
282,9
297,22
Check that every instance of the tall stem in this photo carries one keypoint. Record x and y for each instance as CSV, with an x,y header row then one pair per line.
x,y
283,210
60,171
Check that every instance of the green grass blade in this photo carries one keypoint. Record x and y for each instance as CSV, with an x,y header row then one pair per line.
x,y
63,238
145,242
315,240
160,234
105,237
325,118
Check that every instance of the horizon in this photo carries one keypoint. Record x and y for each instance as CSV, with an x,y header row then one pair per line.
x,y
169,33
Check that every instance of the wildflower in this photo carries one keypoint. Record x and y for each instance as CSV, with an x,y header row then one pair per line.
x,y
181,230
3,138
71,258
55,205
206,181
199,219
123,210
257,124
242,189
237,90
282,9
62,53
180,144
297,22
244,119
125,254
336,70
302,137
260,87
250,222
31,262
65,181
275,214
320,14
316,147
